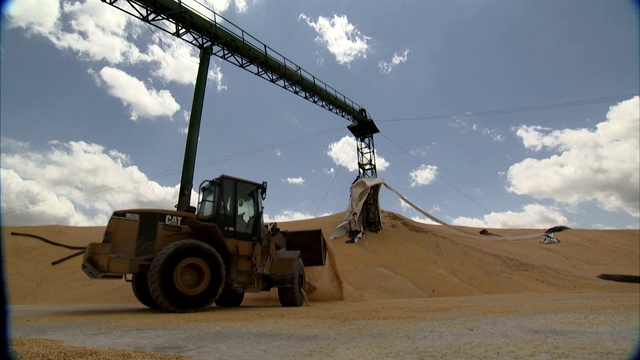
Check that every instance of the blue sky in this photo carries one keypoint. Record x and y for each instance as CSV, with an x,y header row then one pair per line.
x,y
502,114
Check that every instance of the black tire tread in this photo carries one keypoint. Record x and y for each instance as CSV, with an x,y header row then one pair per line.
x,y
230,299
156,281
140,287
291,296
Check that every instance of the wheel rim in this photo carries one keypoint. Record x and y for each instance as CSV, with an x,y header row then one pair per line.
x,y
192,276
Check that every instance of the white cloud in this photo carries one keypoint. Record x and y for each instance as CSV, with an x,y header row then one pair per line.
x,y
37,16
601,165
534,138
241,5
330,171
287,215
403,205
98,32
465,126
424,175
183,128
142,101
215,74
93,30
177,61
218,6
532,216
340,37
27,202
295,181
75,183
424,220
344,153
492,133
418,152
406,208
387,67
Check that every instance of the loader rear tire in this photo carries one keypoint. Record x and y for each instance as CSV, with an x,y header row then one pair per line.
x,y
186,276
291,296
140,287
230,299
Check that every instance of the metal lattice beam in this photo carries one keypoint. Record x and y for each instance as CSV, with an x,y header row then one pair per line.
x,y
228,42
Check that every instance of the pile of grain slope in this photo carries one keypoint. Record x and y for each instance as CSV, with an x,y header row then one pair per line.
x,y
31,279
408,259
405,260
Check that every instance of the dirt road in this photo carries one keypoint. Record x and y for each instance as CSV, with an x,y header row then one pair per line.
x,y
537,326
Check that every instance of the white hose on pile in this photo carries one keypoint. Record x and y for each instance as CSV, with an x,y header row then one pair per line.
x,y
485,237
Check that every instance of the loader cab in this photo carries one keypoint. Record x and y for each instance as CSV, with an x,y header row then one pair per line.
x,y
235,206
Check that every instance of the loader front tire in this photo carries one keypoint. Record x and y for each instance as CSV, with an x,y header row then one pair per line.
x,y
291,296
140,287
186,276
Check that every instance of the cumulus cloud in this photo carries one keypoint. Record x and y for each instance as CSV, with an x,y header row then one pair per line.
x,y
74,183
26,202
340,37
36,16
344,153
142,101
397,59
465,126
89,21
177,61
215,74
218,6
100,33
287,215
424,175
330,171
534,216
600,164
295,181
91,29
424,220
406,208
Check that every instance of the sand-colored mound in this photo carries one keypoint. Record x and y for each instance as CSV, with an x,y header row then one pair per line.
x,y
405,260
408,259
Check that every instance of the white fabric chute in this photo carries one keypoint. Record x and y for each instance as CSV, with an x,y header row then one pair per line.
x,y
361,189
354,222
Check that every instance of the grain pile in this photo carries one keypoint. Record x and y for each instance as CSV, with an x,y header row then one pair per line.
x,y
405,262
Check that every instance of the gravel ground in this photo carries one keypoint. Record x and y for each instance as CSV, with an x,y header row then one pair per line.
x,y
535,326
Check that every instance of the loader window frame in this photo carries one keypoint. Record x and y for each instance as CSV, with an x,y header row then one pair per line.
x,y
208,194
236,207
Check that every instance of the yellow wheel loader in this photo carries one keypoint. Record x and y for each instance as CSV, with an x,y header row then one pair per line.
x,y
184,261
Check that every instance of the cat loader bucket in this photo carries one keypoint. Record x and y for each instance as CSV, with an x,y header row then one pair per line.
x,y
310,243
